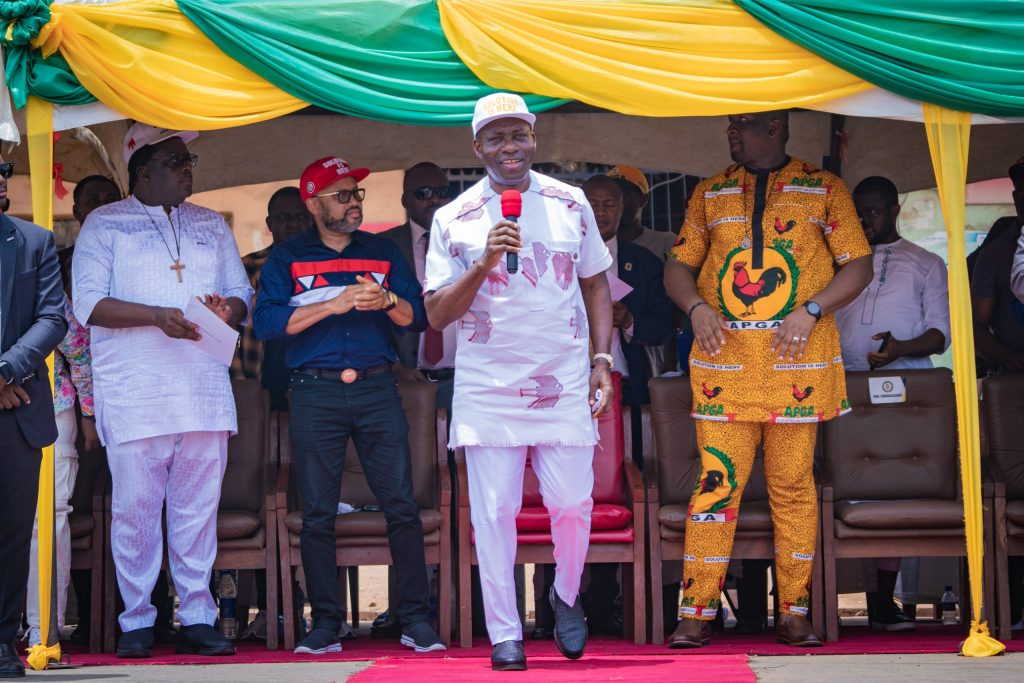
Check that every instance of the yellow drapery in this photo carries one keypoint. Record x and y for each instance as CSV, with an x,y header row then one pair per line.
x,y
949,135
39,121
640,57
145,60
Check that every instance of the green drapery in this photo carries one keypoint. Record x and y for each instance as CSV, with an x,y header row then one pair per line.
x,y
387,60
967,56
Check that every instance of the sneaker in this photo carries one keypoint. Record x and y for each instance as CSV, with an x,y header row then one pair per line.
x,y
136,644
421,638
890,618
203,639
320,641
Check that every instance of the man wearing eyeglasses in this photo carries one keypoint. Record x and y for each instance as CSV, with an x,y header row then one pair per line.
x,y
336,293
31,325
164,407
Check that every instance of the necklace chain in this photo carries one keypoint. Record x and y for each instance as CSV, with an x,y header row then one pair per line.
x,y
176,235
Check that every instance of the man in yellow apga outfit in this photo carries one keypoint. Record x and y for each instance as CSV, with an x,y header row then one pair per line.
x,y
778,247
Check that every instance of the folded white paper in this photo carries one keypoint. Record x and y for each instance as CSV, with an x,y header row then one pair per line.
x,y
218,338
619,289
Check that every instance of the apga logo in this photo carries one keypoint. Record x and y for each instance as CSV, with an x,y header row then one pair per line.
x,y
761,294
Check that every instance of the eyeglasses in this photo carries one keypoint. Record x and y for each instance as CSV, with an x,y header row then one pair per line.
x,y
430,191
6,170
345,196
176,161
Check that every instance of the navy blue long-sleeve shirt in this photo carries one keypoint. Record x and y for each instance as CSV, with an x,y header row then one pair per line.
x,y
304,270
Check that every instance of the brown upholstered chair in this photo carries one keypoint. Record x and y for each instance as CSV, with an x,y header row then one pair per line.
x,y
362,536
86,525
616,536
890,480
671,471
1002,415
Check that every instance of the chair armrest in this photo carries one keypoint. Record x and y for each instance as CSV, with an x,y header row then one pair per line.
x,y
99,488
270,486
994,473
444,476
281,487
462,477
634,479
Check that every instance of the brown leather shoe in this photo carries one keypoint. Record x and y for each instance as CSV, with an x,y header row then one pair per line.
x,y
795,630
690,633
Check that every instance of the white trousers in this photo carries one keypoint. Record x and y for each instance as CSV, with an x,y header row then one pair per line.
x,y
566,477
186,470
65,470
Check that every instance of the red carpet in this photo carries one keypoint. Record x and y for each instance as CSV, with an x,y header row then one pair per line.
x,y
610,652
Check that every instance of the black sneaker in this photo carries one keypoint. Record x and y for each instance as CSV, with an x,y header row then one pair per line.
x,y
570,626
320,641
136,644
203,639
421,638
890,618
386,626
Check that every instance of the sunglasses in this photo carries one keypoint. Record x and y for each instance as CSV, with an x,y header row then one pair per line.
x,y
430,191
176,161
6,170
345,196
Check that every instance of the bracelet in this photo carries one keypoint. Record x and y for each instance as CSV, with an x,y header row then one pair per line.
x,y
605,357
693,308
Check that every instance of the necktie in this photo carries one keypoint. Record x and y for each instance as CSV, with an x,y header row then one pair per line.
x,y
433,346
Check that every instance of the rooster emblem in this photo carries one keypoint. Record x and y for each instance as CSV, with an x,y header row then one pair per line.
x,y
710,393
783,229
748,291
547,391
801,395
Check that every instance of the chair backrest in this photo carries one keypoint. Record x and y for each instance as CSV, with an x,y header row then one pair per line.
x,y
1002,414
608,456
418,402
676,464
247,450
893,451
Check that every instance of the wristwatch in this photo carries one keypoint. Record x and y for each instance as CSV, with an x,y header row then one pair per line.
x,y
605,357
6,372
392,301
814,309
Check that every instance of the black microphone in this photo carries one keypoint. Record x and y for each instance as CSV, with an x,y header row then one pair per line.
x,y
511,207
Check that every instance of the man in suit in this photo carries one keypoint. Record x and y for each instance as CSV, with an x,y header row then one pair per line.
x,y
429,356
31,325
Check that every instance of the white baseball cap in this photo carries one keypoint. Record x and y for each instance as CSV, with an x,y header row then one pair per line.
x,y
142,134
500,105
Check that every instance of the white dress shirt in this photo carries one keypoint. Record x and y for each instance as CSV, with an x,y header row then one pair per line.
x,y
420,244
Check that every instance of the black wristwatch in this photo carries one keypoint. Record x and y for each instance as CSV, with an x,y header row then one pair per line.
x,y
814,309
393,301
6,372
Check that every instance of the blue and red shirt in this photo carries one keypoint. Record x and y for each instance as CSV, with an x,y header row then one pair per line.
x,y
304,271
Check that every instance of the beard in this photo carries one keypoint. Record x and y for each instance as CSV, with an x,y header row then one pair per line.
x,y
342,225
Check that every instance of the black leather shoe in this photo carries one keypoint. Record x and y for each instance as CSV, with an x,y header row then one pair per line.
x,y
11,666
386,625
570,626
542,633
202,639
690,633
508,655
136,644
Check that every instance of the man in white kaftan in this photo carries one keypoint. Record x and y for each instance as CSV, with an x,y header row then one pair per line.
x,y
164,408
523,381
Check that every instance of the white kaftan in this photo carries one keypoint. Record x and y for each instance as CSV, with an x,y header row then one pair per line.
x,y
522,357
145,383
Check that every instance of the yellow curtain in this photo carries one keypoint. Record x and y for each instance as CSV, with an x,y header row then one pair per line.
x,y
146,60
39,121
641,57
949,134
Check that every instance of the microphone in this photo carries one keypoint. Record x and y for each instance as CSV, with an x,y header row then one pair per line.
x,y
511,207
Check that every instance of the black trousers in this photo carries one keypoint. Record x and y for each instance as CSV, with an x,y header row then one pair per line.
x,y
19,488
324,414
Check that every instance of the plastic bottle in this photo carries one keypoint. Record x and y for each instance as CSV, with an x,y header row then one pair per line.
x,y
949,604
228,593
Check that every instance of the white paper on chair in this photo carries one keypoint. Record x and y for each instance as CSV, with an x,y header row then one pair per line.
x,y
219,339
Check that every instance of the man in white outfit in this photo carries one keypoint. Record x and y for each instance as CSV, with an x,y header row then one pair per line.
x,y
523,383
164,407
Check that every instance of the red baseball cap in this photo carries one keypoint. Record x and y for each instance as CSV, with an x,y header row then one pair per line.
x,y
324,172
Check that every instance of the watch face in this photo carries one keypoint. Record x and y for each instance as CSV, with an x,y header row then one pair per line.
x,y
813,308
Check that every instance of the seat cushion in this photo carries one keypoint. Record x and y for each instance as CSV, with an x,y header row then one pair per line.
x,y
928,513
1015,511
365,523
257,541
754,516
596,537
80,525
604,517
845,531
236,524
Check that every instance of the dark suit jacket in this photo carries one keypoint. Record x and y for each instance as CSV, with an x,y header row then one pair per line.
x,y
407,345
31,320
651,310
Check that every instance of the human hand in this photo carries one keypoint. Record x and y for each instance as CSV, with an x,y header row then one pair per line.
x,y
219,305
889,351
503,237
90,437
369,296
13,396
790,340
173,323
600,379
407,374
709,328
621,317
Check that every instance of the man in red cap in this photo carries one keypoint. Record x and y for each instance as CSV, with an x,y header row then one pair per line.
x,y
336,293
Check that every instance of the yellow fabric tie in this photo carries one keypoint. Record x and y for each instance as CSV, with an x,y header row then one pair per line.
x,y
641,57
949,134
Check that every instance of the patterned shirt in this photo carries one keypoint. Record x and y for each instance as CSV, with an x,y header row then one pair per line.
x,y
147,384
765,243
72,367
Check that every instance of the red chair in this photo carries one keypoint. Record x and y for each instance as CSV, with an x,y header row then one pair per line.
x,y
617,524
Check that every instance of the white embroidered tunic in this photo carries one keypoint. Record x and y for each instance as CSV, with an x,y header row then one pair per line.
x,y
522,356
145,383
